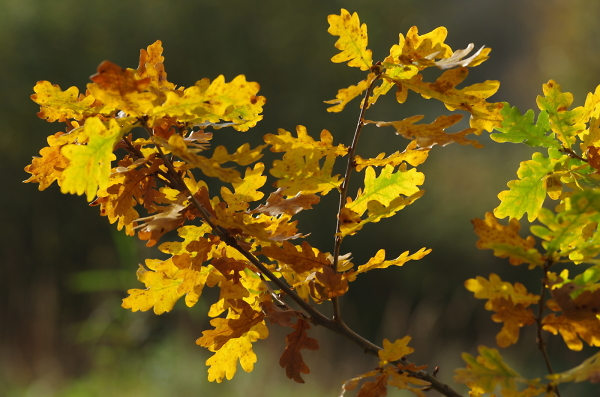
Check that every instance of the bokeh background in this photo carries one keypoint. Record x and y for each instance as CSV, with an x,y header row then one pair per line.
x,y
64,269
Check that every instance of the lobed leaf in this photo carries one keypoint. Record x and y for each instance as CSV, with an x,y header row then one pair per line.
x,y
352,40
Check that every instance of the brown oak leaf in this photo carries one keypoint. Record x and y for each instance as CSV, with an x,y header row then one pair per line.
x,y
291,359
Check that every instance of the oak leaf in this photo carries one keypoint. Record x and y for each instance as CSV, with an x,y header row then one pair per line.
x,y
89,165
58,105
301,259
232,327
353,40
151,66
291,359
587,370
573,331
277,205
223,364
379,262
428,135
394,351
410,155
487,371
506,241
49,167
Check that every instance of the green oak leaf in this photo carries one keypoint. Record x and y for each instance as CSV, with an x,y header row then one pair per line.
x,y
518,128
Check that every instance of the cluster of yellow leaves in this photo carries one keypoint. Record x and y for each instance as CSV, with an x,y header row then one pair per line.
x,y
402,68
390,372
509,302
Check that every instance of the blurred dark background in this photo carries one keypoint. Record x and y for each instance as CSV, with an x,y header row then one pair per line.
x,y
64,269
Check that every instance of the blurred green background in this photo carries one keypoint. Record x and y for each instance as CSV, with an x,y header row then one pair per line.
x,y
64,269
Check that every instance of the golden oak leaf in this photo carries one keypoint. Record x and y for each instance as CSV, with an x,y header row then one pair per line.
x,y
304,143
330,284
484,115
420,50
506,241
379,262
89,165
120,89
573,331
48,168
301,259
587,370
230,291
229,328
246,190
58,105
353,40
410,155
151,66
428,135
495,288
345,95
223,364
375,388
394,351
277,205
514,317
162,288
243,155
291,359
386,187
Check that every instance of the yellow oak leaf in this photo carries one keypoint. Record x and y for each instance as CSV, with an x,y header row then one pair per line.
x,y
420,50
394,351
246,191
353,40
573,331
304,143
513,316
243,155
386,187
58,105
379,262
428,135
291,359
232,327
484,115
345,95
89,165
301,259
162,287
223,364
48,168
156,225
151,65
410,155
495,288
506,241
277,205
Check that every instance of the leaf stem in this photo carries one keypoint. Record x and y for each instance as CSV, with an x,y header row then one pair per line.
x,y
344,189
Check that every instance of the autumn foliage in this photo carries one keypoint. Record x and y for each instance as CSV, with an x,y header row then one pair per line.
x,y
139,147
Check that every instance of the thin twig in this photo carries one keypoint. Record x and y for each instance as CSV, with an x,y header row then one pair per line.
x,y
539,338
344,190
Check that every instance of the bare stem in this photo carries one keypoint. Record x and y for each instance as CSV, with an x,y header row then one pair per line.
x,y
344,190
